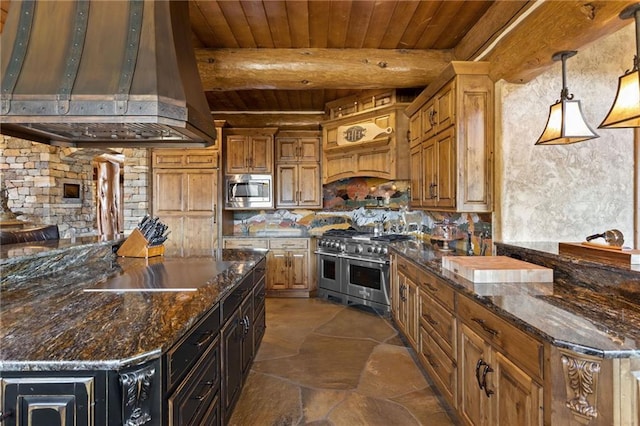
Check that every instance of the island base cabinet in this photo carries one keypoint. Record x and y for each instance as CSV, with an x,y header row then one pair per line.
x,y
52,401
494,391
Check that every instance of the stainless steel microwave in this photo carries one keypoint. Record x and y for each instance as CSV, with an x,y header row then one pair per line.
x,y
248,191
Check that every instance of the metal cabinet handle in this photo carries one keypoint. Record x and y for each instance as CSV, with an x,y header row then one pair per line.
x,y
430,319
485,327
5,415
430,287
432,190
487,369
204,340
431,361
204,396
478,365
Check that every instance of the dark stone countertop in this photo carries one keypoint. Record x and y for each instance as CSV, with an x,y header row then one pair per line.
x,y
49,322
566,313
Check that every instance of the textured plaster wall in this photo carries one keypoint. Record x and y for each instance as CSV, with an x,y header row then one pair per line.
x,y
564,193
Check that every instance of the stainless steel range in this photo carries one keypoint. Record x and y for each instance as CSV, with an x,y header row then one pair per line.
x,y
353,268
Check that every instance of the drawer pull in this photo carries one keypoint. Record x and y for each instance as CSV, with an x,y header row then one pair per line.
x,y
430,320
204,340
430,287
204,396
484,326
5,415
431,361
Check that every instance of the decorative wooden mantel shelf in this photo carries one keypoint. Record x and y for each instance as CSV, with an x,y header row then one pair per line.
x,y
137,246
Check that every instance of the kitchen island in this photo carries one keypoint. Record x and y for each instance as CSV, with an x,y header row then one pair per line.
x,y
83,341
563,352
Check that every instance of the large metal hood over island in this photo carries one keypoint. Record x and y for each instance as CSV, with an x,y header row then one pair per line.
x,y
102,73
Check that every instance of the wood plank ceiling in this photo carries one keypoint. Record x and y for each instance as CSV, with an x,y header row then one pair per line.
x,y
294,56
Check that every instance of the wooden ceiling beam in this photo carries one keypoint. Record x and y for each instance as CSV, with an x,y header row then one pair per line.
x,y
298,69
525,51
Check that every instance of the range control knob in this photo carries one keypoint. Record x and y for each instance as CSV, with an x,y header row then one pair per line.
x,y
358,249
385,250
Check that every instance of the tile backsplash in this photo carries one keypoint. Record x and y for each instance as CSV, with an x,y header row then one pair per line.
x,y
361,203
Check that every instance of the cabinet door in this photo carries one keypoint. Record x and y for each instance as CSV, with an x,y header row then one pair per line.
x,y
428,119
231,341
298,266
200,235
412,311
286,149
64,401
445,107
309,150
168,191
202,191
415,161
473,404
248,350
445,147
287,185
429,174
309,188
237,155
277,270
517,399
261,155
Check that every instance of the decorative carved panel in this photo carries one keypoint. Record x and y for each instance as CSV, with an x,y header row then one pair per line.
x,y
581,380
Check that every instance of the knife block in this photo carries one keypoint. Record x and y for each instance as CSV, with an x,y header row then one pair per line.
x,y
137,246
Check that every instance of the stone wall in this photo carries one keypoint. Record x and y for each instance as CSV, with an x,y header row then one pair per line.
x,y
34,175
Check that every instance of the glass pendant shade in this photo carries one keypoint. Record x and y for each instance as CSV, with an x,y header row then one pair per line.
x,y
566,125
625,111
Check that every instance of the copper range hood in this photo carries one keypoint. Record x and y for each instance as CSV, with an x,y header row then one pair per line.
x,y
96,73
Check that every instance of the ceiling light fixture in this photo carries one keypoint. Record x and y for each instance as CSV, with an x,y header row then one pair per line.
x,y
625,111
566,124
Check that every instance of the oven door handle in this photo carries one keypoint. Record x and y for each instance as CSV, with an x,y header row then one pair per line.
x,y
379,262
322,253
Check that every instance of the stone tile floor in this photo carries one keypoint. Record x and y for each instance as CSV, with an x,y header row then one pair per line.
x,y
321,363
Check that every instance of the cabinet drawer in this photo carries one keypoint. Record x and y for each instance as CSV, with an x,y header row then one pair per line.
x,y
246,243
237,296
443,323
289,243
437,289
190,403
259,293
409,269
522,349
185,353
442,369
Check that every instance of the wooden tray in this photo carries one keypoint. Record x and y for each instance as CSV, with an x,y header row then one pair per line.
x,y
491,269
604,254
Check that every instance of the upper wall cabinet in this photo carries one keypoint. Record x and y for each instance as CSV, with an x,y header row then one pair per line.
x,y
366,136
249,150
451,141
298,182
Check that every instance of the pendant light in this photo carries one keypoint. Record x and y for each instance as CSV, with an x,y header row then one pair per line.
x,y
625,111
566,123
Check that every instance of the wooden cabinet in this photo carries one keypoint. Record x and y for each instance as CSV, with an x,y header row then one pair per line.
x,y
186,201
291,269
437,344
249,151
298,180
493,390
455,119
406,288
298,185
501,370
366,137
238,337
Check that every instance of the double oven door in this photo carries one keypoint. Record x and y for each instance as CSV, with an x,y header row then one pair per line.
x,y
330,272
367,281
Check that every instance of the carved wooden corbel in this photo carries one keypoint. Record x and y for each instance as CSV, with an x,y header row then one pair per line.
x,y
581,380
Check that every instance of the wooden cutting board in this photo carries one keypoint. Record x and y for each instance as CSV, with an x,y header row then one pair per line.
x,y
491,269
613,256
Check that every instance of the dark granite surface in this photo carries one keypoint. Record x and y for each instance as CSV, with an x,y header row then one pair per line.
x,y
568,313
48,322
